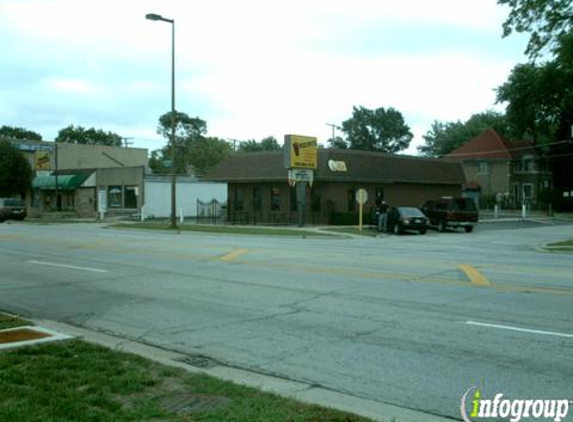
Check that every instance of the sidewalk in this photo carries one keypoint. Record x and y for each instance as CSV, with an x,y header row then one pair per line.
x,y
307,393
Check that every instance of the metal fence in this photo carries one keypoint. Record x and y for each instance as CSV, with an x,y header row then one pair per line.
x,y
211,212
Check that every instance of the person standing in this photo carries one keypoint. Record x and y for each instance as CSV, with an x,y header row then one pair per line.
x,y
382,212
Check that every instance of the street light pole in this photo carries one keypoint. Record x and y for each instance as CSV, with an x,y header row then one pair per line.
x,y
154,17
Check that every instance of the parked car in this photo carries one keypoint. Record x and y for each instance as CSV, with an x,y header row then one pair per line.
x,y
12,209
451,212
400,219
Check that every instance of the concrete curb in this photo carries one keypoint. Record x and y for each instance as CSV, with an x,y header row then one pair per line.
x,y
303,392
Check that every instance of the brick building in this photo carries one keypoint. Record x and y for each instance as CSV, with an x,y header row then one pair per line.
x,y
259,191
504,172
84,179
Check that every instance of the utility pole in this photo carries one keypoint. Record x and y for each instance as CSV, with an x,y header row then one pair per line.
x,y
334,127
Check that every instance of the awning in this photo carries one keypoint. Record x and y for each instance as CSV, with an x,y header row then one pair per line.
x,y
65,181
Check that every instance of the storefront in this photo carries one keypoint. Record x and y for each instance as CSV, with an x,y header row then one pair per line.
x,y
259,191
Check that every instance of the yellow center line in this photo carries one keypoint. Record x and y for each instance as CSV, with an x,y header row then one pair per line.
x,y
231,256
474,275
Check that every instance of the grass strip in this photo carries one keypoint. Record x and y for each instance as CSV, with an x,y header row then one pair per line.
x,y
366,231
566,243
73,381
264,231
11,321
564,246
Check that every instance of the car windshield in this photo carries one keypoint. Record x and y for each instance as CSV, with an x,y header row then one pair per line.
x,y
14,203
410,212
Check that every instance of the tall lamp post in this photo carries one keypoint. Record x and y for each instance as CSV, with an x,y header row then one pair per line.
x,y
154,17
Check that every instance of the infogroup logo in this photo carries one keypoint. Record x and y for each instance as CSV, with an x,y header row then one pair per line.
x,y
514,410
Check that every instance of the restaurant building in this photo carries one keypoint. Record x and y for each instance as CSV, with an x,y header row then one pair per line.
x,y
259,190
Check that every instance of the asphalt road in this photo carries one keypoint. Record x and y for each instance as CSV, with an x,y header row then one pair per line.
x,y
413,320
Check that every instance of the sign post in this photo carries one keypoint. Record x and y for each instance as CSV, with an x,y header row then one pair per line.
x,y
300,159
361,198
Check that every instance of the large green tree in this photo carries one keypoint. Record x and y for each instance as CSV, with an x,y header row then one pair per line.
x,y
15,171
546,21
19,133
444,137
381,130
539,97
80,135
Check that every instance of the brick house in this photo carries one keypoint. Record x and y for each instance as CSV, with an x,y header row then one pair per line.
x,y
259,192
503,172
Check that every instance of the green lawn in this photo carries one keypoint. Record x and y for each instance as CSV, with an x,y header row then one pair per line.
x,y
568,243
264,231
565,246
9,321
366,230
74,381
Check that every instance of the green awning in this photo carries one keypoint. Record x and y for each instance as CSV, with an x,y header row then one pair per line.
x,y
65,182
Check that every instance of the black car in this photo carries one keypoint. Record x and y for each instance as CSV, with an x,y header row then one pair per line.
x,y
400,219
12,209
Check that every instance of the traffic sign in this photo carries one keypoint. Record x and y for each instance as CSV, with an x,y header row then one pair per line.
x,y
361,196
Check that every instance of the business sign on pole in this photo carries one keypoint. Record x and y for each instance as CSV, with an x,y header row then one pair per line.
x,y
300,175
42,160
300,152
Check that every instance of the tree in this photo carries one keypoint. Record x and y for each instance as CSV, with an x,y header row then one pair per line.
x,y
530,96
267,144
15,171
337,143
80,135
206,152
539,100
185,126
19,133
377,130
547,21
539,97
192,147
444,137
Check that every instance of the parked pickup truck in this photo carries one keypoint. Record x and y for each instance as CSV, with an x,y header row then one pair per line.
x,y
450,212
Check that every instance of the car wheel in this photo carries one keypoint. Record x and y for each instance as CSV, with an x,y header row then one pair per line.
x,y
422,231
442,226
469,229
397,229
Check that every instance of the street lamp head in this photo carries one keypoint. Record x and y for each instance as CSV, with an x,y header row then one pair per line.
x,y
156,17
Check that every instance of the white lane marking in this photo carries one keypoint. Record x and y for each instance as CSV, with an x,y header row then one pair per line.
x,y
72,267
523,330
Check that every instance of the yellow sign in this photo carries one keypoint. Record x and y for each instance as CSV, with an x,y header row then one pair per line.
x,y
42,160
301,151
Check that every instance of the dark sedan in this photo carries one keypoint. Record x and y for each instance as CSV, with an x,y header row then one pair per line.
x,y
400,219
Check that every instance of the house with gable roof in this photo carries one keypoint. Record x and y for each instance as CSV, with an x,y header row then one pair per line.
x,y
510,173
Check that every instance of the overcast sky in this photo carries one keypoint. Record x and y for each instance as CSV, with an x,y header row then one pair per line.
x,y
249,68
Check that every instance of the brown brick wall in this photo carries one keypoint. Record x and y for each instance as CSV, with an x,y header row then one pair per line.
x,y
333,197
